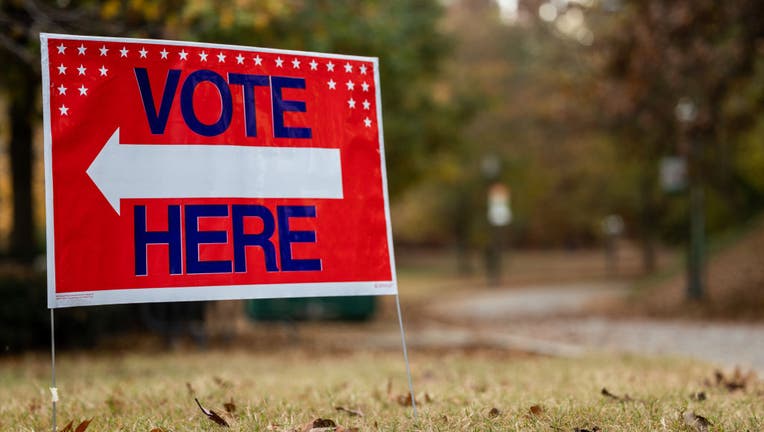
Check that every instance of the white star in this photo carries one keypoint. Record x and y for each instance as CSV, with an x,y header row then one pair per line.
x,y
221,57
363,69
367,122
183,54
258,60
64,110
203,56
103,50
240,59
295,64
348,67
366,104
82,70
163,53
350,85
61,90
330,66
313,65
364,86
81,49
332,84
61,69
83,90
103,70
351,103
143,52
279,62
123,52
61,49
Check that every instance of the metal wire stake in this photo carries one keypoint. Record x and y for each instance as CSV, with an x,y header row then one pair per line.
x,y
405,355
53,390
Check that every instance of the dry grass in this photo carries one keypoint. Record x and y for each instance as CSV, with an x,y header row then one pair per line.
x,y
284,389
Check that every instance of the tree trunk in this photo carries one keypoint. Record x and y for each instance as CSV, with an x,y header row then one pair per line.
x,y
22,113
648,219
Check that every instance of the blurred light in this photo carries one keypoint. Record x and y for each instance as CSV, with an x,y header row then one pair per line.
x,y
571,21
508,10
547,12
685,110
584,36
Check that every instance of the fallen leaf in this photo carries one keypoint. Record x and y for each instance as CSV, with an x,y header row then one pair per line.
x,y
230,407
221,382
34,405
536,410
403,400
494,412
349,411
68,427
700,423
319,424
699,396
82,426
737,381
157,430
212,415
624,398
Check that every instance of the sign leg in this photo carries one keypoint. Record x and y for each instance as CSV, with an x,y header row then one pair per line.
x,y
405,355
53,389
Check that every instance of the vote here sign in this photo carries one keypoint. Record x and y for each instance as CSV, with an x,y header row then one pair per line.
x,y
180,171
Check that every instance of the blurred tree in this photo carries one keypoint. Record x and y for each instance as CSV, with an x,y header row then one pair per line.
x,y
403,34
658,52
21,21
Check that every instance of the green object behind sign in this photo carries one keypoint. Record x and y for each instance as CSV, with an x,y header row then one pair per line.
x,y
314,308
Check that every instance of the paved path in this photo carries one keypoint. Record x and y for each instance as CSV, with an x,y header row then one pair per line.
x,y
552,320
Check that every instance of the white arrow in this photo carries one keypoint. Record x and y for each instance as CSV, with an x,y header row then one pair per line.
x,y
214,171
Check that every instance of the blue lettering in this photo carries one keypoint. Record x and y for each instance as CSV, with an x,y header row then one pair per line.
x,y
187,103
248,83
194,238
242,240
287,237
280,106
171,237
157,121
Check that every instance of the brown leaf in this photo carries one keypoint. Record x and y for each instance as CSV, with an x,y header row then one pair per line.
x,y
157,429
212,415
403,399
349,411
494,412
82,426
693,420
699,396
68,427
230,407
319,424
624,398
221,382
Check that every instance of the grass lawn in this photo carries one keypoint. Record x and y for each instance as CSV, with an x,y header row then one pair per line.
x,y
283,389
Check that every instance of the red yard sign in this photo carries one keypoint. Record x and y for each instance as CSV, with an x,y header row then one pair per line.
x,y
181,171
